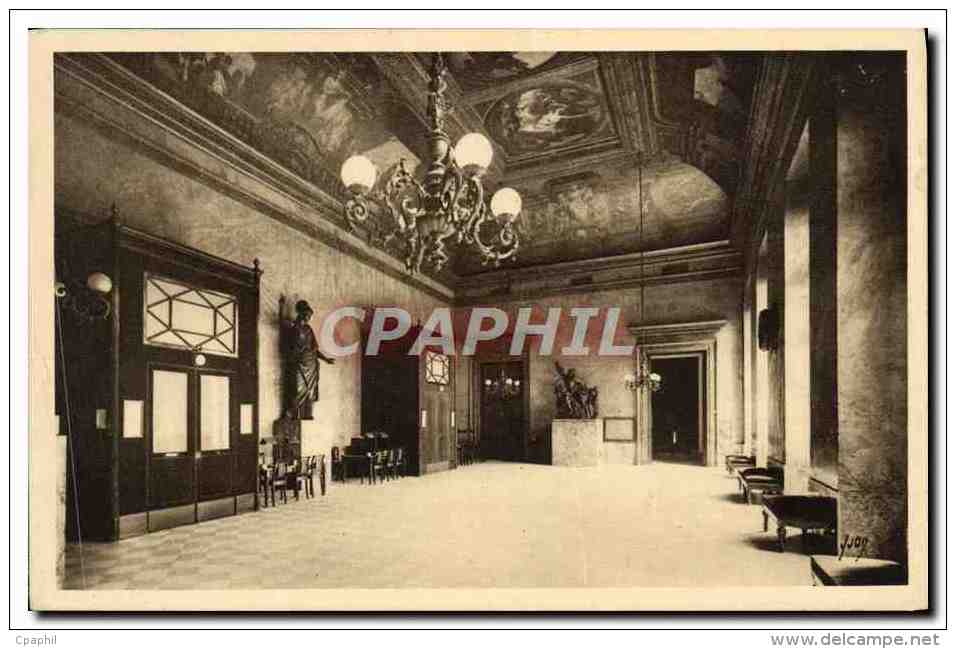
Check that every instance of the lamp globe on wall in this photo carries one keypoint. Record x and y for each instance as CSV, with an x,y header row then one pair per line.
x,y
99,282
88,301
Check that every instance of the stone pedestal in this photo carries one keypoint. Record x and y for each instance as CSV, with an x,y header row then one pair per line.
x,y
576,442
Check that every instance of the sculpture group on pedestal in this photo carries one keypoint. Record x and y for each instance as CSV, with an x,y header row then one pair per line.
x,y
574,399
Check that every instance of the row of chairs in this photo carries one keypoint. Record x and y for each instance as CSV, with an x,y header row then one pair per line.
x,y
279,477
371,466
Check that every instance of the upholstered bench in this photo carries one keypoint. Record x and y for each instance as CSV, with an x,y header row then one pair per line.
x,y
756,481
734,462
831,571
806,512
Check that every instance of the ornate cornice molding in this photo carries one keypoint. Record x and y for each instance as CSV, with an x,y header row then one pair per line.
x,y
558,73
675,265
128,109
780,107
630,96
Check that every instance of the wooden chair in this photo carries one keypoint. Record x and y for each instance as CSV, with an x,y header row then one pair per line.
x,y
337,468
305,478
391,468
473,455
265,480
279,481
379,465
400,462
320,468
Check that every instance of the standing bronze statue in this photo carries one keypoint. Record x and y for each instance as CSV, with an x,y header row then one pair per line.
x,y
302,355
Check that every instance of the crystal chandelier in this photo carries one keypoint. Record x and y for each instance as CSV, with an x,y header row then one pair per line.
x,y
447,204
643,377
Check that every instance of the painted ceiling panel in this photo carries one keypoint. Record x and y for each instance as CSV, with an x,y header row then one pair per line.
x,y
569,127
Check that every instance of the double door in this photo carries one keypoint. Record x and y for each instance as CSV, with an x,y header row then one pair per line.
x,y
193,424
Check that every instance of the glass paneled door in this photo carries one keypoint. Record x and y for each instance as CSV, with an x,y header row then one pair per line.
x,y
192,416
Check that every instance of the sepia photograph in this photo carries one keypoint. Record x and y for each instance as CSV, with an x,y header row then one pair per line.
x,y
479,321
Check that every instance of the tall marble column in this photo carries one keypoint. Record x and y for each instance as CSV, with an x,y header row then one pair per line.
x,y
796,325
871,301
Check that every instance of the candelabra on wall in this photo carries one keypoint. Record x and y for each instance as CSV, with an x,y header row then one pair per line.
x,y
87,301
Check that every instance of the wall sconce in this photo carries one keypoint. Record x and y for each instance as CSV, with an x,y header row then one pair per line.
x,y
88,301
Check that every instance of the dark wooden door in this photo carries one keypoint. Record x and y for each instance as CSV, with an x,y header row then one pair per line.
x,y
502,411
438,436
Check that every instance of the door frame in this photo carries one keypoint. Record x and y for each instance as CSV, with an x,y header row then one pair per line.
x,y
698,337
702,436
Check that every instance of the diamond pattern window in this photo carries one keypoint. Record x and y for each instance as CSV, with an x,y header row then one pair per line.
x,y
185,317
437,368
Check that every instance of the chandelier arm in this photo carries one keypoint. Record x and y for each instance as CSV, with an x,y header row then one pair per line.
x,y
403,212
504,248
470,214
356,212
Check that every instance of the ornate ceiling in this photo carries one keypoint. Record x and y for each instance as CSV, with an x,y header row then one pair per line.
x,y
568,128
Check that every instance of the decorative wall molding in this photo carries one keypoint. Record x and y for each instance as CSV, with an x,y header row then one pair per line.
x,y
678,332
123,107
694,338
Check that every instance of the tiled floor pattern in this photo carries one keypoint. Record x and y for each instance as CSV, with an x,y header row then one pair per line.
x,y
489,524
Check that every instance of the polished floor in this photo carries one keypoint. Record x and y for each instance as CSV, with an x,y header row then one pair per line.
x,y
488,524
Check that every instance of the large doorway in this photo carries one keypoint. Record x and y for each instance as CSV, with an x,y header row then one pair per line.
x,y
677,410
502,411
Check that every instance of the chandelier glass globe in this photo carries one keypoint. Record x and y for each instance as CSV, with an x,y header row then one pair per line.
x,y
358,174
506,203
473,153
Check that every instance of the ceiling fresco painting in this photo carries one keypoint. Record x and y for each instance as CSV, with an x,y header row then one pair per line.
x,y
589,216
543,118
569,127
308,110
490,67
